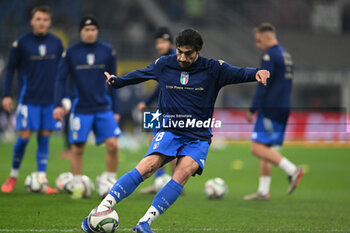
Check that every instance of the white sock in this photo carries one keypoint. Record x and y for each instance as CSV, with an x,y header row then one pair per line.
x,y
151,215
14,173
287,166
42,176
110,174
108,201
264,185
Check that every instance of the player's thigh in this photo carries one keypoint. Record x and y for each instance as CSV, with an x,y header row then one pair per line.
x,y
80,126
105,126
28,117
184,169
198,151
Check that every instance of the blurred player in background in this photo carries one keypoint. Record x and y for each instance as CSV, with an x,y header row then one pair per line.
x,y
35,56
95,105
164,44
189,85
272,102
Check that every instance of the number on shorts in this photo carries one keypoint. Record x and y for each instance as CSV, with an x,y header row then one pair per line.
x,y
159,136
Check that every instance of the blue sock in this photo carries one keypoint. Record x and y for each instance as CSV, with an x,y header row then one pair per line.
x,y
126,184
159,173
18,152
167,196
42,153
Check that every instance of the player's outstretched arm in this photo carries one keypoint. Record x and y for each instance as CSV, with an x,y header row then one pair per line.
x,y
133,77
229,74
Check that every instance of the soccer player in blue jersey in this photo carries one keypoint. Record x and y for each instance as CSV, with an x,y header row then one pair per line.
x,y
272,102
35,56
164,45
95,106
189,85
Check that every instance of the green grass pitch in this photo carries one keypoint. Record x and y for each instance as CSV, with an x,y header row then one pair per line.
x,y
320,204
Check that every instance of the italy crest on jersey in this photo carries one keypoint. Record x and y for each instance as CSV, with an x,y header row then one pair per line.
x,y
42,50
184,77
90,59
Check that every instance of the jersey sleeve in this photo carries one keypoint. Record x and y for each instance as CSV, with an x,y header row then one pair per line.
x,y
152,97
12,65
61,79
228,74
112,69
137,76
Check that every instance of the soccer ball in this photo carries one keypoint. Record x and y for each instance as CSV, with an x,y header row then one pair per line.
x,y
215,188
161,181
88,185
63,182
103,219
34,183
104,184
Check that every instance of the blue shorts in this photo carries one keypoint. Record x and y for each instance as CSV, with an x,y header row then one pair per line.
x,y
174,146
268,132
102,124
36,117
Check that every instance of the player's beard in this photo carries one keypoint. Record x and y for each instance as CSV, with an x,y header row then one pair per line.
x,y
184,64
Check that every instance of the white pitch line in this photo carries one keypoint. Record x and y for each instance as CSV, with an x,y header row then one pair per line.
x,y
189,230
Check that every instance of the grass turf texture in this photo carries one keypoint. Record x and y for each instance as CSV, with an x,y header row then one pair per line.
x,y
320,204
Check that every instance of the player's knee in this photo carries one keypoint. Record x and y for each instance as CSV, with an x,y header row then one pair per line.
x,y
112,146
44,133
147,167
182,175
78,149
25,134
254,149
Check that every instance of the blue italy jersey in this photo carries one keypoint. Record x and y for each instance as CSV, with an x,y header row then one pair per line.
x,y
36,60
86,64
188,92
273,100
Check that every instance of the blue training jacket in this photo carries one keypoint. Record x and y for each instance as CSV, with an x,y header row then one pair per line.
x,y
85,64
36,60
273,100
189,92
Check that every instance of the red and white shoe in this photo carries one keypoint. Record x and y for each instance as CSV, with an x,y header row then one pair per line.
x,y
50,190
8,185
295,179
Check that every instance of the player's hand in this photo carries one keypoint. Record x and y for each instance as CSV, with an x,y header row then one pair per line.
x,y
117,117
58,113
249,117
7,104
262,76
109,77
141,106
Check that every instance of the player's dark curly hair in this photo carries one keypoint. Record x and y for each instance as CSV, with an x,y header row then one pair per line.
x,y
189,37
